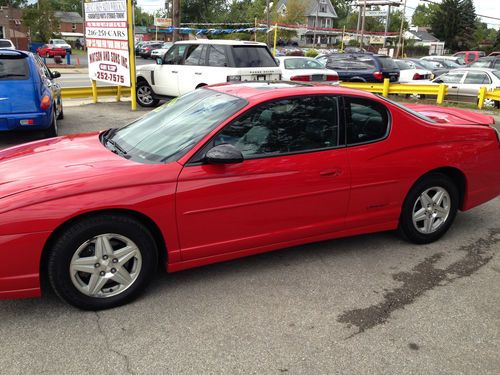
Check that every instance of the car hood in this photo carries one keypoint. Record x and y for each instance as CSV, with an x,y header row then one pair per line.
x,y
448,115
57,167
145,68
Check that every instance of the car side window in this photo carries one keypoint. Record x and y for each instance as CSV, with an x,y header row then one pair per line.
x,y
175,54
284,126
194,54
366,120
44,71
477,78
217,56
452,77
363,63
496,64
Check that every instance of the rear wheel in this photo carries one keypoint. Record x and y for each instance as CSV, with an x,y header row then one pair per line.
x,y
60,116
145,94
52,130
429,209
102,262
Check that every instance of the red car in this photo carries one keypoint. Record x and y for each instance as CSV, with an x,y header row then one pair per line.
x,y
229,171
49,50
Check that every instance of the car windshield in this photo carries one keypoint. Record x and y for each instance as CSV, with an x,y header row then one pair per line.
x,y
13,68
387,63
252,56
59,41
428,64
171,130
302,64
450,64
403,65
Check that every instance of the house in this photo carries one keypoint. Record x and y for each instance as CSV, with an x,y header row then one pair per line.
x,y
318,14
70,25
11,27
422,37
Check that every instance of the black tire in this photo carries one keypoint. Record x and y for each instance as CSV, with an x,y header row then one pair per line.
x,y
66,247
416,232
47,55
52,131
144,95
60,116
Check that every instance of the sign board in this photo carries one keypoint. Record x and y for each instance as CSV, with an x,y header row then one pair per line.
x,y
374,39
107,41
376,13
163,22
360,3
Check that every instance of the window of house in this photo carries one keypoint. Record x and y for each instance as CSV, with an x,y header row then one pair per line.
x,y
366,120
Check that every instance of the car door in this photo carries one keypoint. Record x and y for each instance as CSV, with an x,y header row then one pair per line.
x,y
166,75
48,83
453,80
193,72
472,82
293,183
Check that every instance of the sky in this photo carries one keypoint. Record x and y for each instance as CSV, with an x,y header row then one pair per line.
x,y
486,7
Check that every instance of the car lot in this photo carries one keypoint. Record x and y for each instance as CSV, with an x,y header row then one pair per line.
x,y
368,304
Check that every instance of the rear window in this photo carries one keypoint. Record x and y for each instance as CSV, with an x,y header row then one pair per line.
x,y
13,69
387,63
252,56
4,43
403,65
481,63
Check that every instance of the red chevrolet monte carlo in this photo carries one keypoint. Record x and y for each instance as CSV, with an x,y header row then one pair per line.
x,y
230,171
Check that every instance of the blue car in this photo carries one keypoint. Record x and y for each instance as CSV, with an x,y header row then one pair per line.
x,y
29,97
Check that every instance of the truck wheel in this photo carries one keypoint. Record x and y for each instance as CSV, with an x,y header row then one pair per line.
x,y
145,95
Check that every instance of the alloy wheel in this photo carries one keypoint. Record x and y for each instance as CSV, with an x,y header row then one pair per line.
x,y
431,210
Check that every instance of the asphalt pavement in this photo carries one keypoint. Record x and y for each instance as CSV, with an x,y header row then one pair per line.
x,y
371,304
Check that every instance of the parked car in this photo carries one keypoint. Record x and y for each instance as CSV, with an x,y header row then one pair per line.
x,y
408,74
363,67
305,69
449,62
231,171
145,50
191,64
464,84
6,44
30,99
60,43
494,54
469,56
435,67
492,62
49,50
160,52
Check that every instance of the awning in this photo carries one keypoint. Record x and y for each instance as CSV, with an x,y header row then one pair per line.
x,y
72,35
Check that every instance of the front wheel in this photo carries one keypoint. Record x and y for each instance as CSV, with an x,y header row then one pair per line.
x,y
145,95
102,262
429,209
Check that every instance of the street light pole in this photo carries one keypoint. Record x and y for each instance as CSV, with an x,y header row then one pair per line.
x,y
268,21
363,26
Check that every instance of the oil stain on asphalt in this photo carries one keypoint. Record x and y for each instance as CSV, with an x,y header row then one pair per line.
x,y
423,277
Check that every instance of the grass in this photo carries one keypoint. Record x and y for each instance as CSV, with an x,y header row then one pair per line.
x,y
462,105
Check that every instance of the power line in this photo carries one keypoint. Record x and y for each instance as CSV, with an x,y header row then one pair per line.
x,y
478,15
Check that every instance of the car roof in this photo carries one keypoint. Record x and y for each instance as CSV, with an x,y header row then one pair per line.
x,y
221,42
270,90
472,69
13,53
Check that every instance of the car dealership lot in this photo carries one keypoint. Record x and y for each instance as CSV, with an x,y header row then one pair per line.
x,y
368,304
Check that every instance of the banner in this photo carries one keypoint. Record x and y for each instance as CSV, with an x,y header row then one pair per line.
x,y
107,41
163,22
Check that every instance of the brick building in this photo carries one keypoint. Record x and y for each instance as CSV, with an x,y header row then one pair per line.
x,y
70,25
11,27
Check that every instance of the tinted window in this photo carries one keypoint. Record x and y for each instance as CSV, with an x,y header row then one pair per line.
x,y
452,77
481,63
403,65
284,126
387,63
362,63
13,68
366,121
339,63
193,55
4,43
477,78
217,56
252,56
175,54
496,64
471,57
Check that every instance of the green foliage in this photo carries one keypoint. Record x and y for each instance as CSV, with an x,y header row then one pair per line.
x,y
41,21
423,14
204,11
311,53
376,23
143,18
14,3
496,47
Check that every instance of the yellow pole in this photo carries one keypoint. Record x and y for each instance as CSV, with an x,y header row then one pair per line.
x,y
441,93
342,45
385,90
275,37
482,95
131,53
94,91
118,93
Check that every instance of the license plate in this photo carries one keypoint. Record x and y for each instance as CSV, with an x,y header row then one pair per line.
x,y
318,77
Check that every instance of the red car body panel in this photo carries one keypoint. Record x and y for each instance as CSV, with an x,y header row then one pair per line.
x,y
449,115
51,51
210,213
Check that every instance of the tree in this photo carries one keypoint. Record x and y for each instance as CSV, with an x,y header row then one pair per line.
x,y
13,3
496,47
143,18
41,21
203,11
423,14
294,15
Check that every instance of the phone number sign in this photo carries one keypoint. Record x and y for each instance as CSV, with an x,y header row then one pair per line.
x,y
106,37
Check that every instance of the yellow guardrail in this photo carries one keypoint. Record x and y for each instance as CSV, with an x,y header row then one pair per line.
x,y
388,88
485,94
88,92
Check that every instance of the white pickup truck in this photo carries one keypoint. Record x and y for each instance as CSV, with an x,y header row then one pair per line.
x,y
191,64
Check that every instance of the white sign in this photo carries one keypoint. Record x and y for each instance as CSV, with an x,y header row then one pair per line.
x,y
361,3
375,13
163,22
106,36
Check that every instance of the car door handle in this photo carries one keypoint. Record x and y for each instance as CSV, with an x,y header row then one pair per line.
x,y
175,71
331,172
454,87
198,73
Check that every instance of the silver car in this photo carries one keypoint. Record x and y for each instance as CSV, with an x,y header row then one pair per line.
x,y
464,83
160,52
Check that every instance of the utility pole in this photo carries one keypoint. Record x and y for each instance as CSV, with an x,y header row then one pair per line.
x,y
176,19
399,49
268,21
315,24
363,26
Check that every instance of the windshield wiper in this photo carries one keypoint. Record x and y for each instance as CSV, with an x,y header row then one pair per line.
x,y
106,137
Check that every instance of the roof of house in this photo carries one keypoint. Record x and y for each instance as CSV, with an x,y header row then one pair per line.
x,y
70,17
310,8
424,36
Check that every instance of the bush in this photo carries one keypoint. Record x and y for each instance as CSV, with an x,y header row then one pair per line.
x,y
311,53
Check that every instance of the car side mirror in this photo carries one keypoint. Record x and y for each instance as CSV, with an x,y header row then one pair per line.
x,y
159,61
55,74
438,80
224,154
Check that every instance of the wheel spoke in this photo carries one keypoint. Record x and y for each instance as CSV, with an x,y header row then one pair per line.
x,y
419,215
125,254
428,224
441,212
438,197
96,283
86,264
122,277
425,199
103,246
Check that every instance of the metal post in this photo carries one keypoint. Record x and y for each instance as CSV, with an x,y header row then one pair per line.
x,y
131,53
359,23
268,22
363,25
387,20
176,19
275,38
315,24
